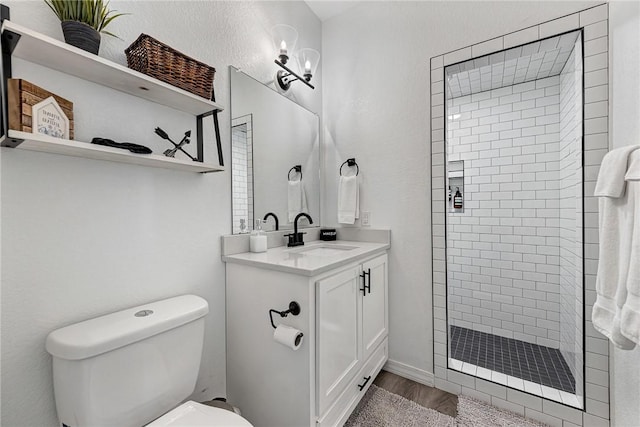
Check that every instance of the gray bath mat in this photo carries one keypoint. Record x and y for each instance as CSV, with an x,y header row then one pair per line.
x,y
380,408
473,413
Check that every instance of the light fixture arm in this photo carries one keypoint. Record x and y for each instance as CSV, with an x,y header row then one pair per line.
x,y
283,77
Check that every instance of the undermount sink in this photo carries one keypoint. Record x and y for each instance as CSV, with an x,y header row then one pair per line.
x,y
323,250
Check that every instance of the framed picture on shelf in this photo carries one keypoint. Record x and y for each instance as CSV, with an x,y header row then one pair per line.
x,y
49,119
35,110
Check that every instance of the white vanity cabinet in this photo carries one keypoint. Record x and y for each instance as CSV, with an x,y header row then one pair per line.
x,y
344,318
352,322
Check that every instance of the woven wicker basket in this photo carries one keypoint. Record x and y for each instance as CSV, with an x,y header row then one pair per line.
x,y
154,58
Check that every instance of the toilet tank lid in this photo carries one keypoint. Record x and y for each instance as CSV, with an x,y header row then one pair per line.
x,y
105,333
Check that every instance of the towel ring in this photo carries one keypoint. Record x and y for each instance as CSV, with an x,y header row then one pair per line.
x,y
350,162
296,168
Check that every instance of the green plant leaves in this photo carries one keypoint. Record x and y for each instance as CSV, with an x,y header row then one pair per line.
x,y
94,13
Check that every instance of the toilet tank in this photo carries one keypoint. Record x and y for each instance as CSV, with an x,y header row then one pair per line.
x,y
130,367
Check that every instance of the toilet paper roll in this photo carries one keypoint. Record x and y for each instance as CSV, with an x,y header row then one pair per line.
x,y
288,336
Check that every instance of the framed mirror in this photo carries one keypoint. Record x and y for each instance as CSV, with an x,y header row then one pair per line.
x,y
275,157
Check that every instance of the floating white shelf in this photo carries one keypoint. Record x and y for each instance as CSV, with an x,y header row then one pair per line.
x,y
51,53
456,174
47,144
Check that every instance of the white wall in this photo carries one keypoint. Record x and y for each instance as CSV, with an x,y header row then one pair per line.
x,y
82,237
624,22
376,108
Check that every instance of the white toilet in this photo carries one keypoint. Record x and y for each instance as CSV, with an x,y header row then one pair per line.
x,y
134,367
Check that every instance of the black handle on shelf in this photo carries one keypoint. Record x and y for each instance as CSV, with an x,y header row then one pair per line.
x,y
368,273
364,384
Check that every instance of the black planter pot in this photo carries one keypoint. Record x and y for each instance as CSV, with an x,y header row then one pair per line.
x,y
81,35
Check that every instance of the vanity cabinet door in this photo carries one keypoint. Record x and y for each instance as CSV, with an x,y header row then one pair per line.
x,y
375,317
338,341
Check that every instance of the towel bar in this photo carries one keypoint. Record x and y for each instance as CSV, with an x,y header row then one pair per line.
x,y
296,168
351,163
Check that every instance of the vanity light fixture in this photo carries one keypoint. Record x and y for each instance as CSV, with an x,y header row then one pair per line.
x,y
285,38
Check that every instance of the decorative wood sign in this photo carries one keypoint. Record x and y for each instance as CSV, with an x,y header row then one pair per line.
x,y
33,109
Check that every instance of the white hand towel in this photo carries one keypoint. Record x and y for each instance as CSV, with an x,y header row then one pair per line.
x,y
296,199
615,251
616,223
611,181
348,199
630,313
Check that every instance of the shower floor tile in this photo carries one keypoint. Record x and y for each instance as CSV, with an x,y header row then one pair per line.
x,y
524,362
519,384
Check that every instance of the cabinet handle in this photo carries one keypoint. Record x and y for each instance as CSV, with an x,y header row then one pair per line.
x,y
363,289
369,281
364,384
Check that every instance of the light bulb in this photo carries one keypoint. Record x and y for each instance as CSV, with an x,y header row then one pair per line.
x,y
283,48
307,67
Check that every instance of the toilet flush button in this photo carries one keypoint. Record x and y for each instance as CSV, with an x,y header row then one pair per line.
x,y
144,313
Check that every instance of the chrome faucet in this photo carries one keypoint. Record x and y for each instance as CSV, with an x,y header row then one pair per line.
x,y
275,217
295,239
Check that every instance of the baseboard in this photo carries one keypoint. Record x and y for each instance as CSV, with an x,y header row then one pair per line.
x,y
410,372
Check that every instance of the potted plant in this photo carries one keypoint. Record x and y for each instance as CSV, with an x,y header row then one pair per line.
x,y
83,21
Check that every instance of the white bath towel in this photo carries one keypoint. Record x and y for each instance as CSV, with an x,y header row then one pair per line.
x,y
633,170
611,178
296,199
630,313
616,223
348,199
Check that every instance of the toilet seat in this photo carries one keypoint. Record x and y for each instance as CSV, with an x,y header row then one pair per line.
x,y
193,414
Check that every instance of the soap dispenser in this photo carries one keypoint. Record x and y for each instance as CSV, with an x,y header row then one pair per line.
x,y
258,238
457,199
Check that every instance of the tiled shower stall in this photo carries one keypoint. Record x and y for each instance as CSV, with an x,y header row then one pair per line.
x,y
514,249
519,126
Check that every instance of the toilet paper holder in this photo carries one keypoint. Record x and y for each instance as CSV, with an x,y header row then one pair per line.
x,y
294,308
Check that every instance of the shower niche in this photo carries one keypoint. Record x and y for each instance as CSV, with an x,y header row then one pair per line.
x,y
514,238
455,181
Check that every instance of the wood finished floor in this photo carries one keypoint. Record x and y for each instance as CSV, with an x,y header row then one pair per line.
x,y
426,396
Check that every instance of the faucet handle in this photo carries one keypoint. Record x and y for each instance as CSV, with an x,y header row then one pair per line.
x,y
299,240
292,238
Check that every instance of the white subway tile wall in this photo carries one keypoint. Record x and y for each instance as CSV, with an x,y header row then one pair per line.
x,y
594,24
242,172
570,221
503,252
509,67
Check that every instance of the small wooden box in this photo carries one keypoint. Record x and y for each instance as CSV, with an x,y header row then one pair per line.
x,y
22,95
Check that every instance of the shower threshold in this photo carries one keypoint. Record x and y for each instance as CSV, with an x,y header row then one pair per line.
x,y
524,366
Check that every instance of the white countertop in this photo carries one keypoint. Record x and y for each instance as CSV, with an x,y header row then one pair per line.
x,y
298,260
